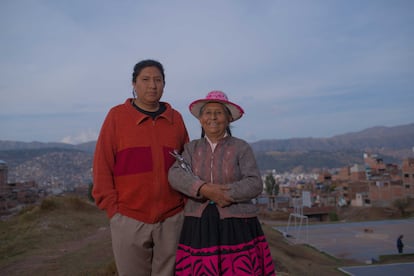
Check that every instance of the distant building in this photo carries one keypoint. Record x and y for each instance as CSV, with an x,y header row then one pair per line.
x,y
374,166
354,173
325,177
408,176
14,194
383,192
357,172
361,200
372,184
3,173
351,189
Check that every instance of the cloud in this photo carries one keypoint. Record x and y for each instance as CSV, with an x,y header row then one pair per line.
x,y
65,63
83,137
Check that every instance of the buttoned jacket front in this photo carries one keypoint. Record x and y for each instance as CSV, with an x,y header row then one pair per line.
x,y
232,163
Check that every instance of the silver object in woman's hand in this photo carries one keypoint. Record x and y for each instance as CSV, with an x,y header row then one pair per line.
x,y
182,162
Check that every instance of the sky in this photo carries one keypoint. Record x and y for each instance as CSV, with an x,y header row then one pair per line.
x,y
298,68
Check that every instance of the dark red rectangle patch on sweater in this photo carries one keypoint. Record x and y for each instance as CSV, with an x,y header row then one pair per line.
x,y
133,160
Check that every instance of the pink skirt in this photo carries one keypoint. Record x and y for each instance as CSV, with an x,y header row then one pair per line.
x,y
213,246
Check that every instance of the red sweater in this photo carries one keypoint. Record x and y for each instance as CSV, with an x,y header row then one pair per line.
x,y
131,163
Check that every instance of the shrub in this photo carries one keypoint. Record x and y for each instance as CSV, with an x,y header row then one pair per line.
x,y
49,204
90,197
333,216
401,204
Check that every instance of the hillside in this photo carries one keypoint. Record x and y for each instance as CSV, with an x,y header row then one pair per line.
x,y
48,166
71,164
392,144
392,138
69,236
16,145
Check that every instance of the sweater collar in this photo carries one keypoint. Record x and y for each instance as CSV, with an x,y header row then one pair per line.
x,y
225,138
141,117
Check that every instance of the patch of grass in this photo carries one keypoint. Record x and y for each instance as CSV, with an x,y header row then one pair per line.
x,y
26,209
394,258
50,204
333,216
73,262
54,220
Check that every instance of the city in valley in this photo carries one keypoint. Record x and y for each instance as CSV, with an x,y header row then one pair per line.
x,y
370,183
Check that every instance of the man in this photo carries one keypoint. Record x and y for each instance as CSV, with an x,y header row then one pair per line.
x,y
400,244
131,163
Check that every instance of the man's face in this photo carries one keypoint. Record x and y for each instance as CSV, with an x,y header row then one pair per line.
x,y
149,86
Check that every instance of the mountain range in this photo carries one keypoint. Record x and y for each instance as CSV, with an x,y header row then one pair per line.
x,y
72,164
395,138
392,144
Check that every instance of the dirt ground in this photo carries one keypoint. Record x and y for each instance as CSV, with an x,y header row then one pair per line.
x,y
300,259
91,253
96,249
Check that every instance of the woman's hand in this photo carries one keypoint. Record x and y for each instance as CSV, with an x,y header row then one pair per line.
x,y
216,193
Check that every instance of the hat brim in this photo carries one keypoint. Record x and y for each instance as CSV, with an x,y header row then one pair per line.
x,y
235,110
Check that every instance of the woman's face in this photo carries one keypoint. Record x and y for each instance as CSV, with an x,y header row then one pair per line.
x,y
214,119
149,86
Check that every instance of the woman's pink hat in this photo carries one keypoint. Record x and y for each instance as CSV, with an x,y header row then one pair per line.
x,y
216,96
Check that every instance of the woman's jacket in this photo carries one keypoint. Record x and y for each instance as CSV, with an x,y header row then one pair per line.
x,y
232,164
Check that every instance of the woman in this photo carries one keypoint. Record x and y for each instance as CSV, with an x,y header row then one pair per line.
x,y
221,234
130,173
